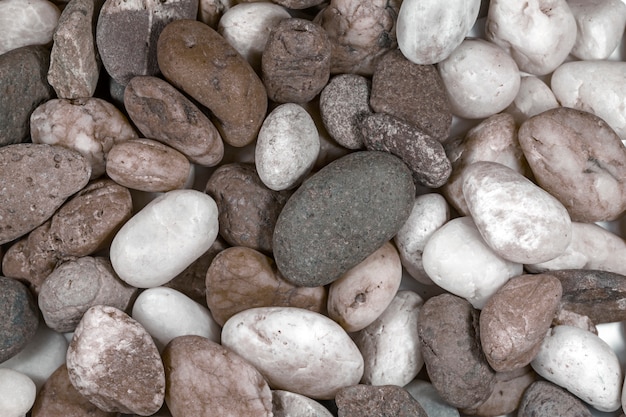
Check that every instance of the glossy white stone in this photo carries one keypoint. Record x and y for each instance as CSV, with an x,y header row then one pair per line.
x,y
290,404
17,393
600,26
533,97
24,23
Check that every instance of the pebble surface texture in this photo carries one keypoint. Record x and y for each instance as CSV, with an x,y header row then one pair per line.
x,y
24,23
377,401
544,399
20,317
341,215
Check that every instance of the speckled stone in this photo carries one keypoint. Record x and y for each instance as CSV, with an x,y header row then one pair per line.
x,y
545,399
19,317
341,215
377,401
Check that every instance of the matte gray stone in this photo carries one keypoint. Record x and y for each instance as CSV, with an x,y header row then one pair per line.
x,y
19,317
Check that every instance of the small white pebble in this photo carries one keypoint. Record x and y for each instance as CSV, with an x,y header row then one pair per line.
x,y
17,393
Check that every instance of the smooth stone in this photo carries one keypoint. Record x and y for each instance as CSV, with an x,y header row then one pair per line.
x,y
164,238
205,378
363,293
199,61
20,317
295,349
166,313
457,259
377,401
430,400
534,97
520,221
24,67
390,345
113,362
26,23
74,60
539,50
290,404
128,31
339,216
89,125
163,113
240,278
287,147
17,393
600,27
75,286
428,31
544,398
582,363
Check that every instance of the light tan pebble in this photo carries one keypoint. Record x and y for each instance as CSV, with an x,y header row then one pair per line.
x,y
582,363
24,23
290,404
520,221
480,77
428,31
287,147
598,87
600,24
90,126
295,349
538,34
361,295
534,97
164,238
390,345
458,260
430,212
17,393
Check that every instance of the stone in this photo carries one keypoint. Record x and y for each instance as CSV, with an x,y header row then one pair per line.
x,y
339,216
197,60
26,23
248,209
204,378
163,113
20,317
290,404
295,63
425,105
299,4
164,238
600,26
430,400
17,393
24,87
75,286
295,349
240,278
534,97
74,59
377,401
113,362
127,33
210,11
543,399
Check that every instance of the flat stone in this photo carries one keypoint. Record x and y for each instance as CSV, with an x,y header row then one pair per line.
x,y
377,401
20,317
26,23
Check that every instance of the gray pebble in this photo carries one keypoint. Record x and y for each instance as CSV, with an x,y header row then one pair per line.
x,y
545,399
19,317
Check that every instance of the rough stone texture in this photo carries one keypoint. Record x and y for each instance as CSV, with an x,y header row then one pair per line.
x,y
127,33
248,210
19,317
450,337
377,401
544,399
290,404
163,113
341,215
204,378
113,362
74,59
23,87
424,155
59,398
24,23
298,4
197,60
34,181
425,104
296,61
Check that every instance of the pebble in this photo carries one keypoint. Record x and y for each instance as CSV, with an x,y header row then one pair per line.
x,y
534,97
390,345
240,278
295,349
26,67
164,238
199,61
17,393
204,378
543,399
113,362
26,23
339,216
364,292
163,113
127,34
600,25
299,4
290,404
75,286
210,11
377,401
20,317
430,400
74,59
90,126
287,147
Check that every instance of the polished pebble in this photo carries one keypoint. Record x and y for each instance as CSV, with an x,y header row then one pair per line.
x,y
534,97
17,393
600,27
26,23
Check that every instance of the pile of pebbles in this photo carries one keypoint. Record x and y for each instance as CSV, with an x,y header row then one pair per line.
x,y
312,208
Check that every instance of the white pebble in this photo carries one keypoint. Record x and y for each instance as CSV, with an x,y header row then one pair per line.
x,y
600,25
290,404
24,23
17,393
430,400
534,97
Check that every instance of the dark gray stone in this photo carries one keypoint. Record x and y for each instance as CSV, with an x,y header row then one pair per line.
x,y
544,399
19,317
377,401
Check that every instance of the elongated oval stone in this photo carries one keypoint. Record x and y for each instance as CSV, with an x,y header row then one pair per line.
x,y
341,215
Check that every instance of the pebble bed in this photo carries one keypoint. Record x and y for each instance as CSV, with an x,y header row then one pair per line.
x,y
312,208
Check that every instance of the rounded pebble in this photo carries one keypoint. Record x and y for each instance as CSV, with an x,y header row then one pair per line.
x,y
534,97
17,393
377,401
544,399
600,26
290,404
25,23
20,317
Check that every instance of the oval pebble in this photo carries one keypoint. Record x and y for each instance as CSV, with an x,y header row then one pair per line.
x,y
543,398
20,317
25,23
290,404
534,97
600,27
17,393
164,238
295,349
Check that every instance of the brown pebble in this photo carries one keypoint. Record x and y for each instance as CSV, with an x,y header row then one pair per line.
x,y
377,401
545,399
